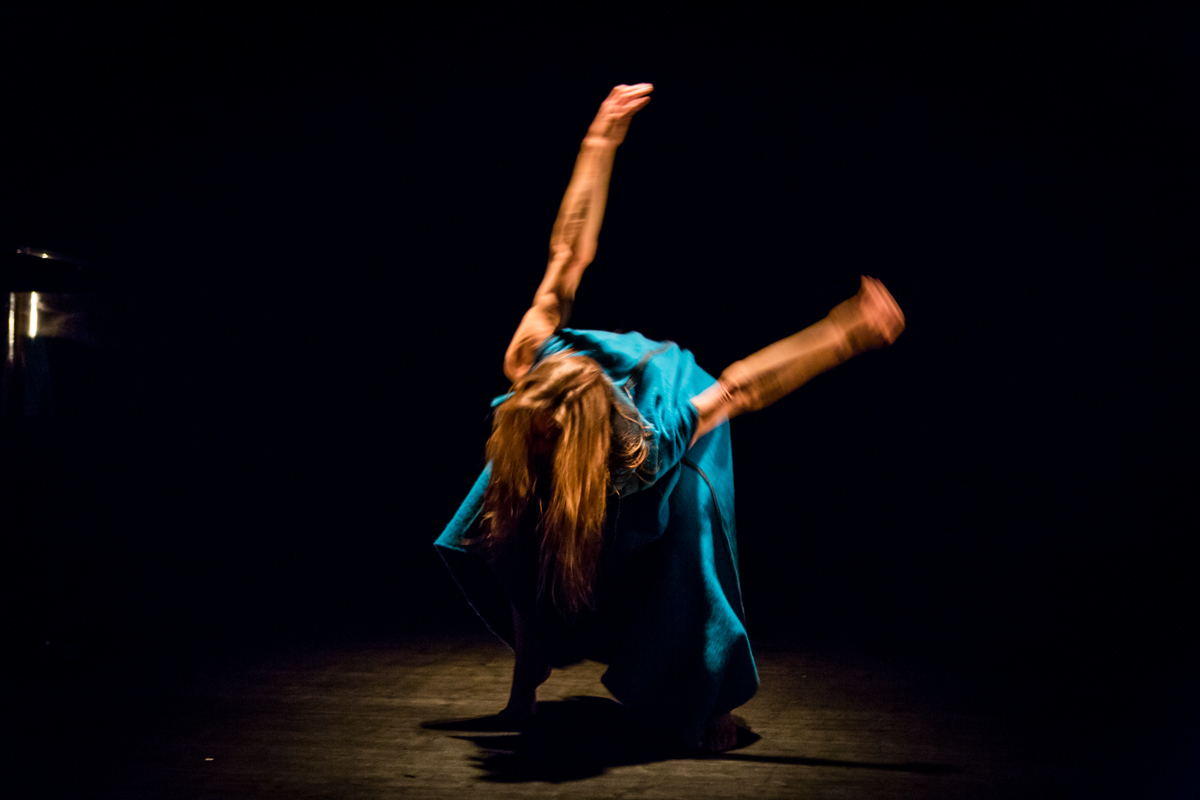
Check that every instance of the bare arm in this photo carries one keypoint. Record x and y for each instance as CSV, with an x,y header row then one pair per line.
x,y
573,240
869,319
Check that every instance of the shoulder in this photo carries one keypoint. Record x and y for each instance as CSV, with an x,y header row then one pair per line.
x,y
618,354
609,348
633,358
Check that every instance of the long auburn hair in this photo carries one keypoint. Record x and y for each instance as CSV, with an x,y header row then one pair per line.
x,y
553,441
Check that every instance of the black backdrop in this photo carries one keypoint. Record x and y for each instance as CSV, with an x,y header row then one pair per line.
x,y
314,236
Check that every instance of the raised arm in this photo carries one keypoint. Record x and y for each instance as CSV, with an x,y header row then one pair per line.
x,y
573,240
869,319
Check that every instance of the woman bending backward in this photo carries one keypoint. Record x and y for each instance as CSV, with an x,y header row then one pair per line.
x,y
603,526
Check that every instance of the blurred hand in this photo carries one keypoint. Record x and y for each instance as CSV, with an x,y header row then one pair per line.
x,y
871,318
612,120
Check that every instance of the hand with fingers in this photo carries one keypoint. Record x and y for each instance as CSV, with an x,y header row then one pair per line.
x,y
612,121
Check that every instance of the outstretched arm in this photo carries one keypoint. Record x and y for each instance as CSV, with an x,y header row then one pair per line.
x,y
573,240
869,319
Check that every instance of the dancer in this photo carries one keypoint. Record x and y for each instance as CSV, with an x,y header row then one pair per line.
x,y
603,525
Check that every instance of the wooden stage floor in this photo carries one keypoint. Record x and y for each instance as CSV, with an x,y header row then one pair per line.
x,y
403,720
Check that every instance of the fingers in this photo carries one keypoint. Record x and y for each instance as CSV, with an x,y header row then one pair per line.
x,y
636,97
880,294
612,120
881,309
625,96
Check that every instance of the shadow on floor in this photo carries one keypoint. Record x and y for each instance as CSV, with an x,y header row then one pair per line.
x,y
568,740
582,737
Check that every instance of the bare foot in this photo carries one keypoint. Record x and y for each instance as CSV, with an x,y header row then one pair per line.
x,y
720,733
522,701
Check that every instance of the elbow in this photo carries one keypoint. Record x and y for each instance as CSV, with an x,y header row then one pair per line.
x,y
515,373
513,368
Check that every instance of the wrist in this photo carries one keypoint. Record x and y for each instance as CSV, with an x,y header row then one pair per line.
x,y
850,330
599,140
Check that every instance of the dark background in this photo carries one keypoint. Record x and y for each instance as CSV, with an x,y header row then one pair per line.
x,y
310,238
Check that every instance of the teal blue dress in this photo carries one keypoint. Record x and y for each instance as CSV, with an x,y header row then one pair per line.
x,y
668,618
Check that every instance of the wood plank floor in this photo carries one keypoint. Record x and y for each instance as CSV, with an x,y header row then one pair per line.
x,y
409,719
